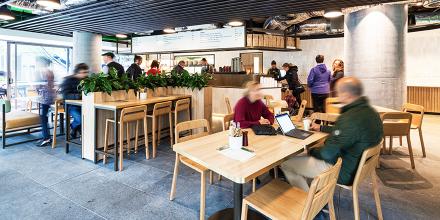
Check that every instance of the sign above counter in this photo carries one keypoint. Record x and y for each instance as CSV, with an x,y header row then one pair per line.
x,y
233,37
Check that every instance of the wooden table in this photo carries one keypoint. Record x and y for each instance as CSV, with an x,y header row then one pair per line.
x,y
116,107
270,152
381,110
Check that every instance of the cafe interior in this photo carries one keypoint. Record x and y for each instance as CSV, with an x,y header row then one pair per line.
x,y
141,109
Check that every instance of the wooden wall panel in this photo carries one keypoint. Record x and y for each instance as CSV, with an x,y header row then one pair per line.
x,y
429,97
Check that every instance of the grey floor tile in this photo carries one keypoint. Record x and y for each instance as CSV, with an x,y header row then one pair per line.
x,y
14,186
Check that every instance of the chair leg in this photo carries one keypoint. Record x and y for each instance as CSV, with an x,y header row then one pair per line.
x,y
171,129
147,149
128,139
254,185
211,178
422,141
136,137
331,209
356,204
175,174
275,172
104,160
154,136
159,128
390,149
219,178
244,210
121,146
411,156
55,125
202,195
376,195
401,141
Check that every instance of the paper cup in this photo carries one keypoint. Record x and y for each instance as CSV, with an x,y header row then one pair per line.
x,y
235,142
142,96
306,124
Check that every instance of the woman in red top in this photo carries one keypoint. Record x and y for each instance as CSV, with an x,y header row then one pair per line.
x,y
154,68
250,110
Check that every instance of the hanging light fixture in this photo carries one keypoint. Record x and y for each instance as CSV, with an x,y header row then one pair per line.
x,y
53,4
235,23
121,36
6,15
333,13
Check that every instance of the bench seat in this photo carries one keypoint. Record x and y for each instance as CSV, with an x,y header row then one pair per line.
x,y
20,119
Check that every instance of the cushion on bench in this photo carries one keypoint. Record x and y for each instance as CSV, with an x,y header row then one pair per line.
x,y
19,119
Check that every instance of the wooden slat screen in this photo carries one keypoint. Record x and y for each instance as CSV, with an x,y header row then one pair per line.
x,y
429,97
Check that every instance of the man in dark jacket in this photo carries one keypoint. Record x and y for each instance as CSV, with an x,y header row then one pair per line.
x,y
69,89
109,64
292,80
273,71
358,128
134,71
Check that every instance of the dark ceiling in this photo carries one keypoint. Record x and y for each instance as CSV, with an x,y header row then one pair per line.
x,y
110,17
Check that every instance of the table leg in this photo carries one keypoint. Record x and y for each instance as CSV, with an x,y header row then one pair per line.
x,y
61,124
95,129
66,108
238,200
116,135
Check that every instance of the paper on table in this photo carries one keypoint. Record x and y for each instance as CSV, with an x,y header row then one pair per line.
x,y
237,154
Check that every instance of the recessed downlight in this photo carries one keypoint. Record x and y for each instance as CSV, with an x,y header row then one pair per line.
x,y
53,4
333,13
235,23
122,36
169,30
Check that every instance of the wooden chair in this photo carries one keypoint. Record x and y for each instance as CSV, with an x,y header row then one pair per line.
x,y
300,115
398,124
417,112
182,105
58,110
329,108
366,169
184,127
228,106
325,117
279,200
128,115
227,120
159,110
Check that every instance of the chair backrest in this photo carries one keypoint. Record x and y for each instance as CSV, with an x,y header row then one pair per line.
x,y
302,109
228,105
7,104
417,112
133,113
367,165
227,121
267,99
162,108
183,104
329,108
190,126
321,191
327,117
396,123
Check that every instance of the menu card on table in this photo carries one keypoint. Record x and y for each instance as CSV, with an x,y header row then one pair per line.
x,y
237,154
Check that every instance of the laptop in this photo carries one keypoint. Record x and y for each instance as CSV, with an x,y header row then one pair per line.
x,y
288,128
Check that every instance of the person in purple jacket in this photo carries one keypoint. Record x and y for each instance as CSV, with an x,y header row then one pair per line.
x,y
319,83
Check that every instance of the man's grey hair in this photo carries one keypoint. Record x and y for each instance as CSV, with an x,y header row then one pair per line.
x,y
351,85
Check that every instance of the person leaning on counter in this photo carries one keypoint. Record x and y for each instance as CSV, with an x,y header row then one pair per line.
x,y
134,71
180,67
250,110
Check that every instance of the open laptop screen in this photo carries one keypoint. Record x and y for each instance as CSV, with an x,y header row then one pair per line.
x,y
285,122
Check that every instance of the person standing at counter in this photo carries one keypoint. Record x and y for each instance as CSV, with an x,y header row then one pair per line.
x,y
206,67
109,64
250,110
134,71
319,83
338,73
180,67
293,81
154,68
273,71
69,89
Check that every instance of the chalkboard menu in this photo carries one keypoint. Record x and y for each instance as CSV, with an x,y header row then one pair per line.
x,y
193,40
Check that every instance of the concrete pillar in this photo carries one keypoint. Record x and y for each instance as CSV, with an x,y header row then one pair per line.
x,y
87,48
375,52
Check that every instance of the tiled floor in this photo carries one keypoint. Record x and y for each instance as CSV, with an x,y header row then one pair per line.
x,y
47,184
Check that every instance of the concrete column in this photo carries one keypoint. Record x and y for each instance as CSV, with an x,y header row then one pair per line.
x,y
375,52
87,48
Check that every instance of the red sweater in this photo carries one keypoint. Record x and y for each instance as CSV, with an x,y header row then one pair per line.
x,y
153,71
249,114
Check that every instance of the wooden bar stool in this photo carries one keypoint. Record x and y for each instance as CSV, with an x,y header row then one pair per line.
x,y
128,115
366,169
279,200
329,105
182,105
184,127
417,112
398,124
159,110
59,109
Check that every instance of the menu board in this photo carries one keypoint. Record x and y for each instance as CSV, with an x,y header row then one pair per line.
x,y
192,40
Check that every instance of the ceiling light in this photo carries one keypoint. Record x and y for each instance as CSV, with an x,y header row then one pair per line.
x,y
169,30
121,36
55,4
6,15
235,23
333,13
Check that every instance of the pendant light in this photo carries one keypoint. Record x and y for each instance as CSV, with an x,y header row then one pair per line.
x,y
55,4
333,13
6,15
